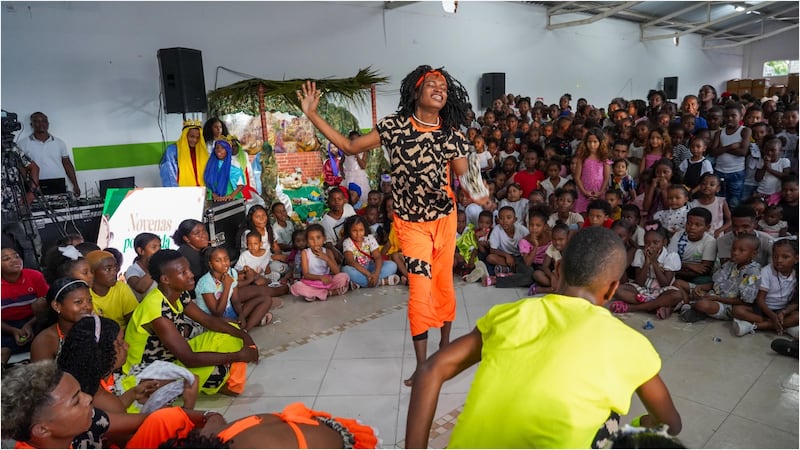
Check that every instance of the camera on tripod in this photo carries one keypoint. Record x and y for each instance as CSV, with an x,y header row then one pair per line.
x,y
10,125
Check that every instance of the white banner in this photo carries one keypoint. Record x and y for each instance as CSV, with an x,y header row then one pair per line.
x,y
148,210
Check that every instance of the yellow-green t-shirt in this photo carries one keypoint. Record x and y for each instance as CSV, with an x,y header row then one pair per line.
x,y
116,304
552,370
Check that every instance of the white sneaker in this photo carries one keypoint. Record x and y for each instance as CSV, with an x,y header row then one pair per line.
x,y
792,331
740,327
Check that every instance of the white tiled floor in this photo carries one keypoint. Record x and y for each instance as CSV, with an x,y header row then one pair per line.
x,y
731,393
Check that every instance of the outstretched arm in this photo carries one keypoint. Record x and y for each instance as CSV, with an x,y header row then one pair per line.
x,y
309,101
658,402
443,365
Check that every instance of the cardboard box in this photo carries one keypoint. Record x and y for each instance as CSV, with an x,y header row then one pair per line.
x,y
745,83
778,89
793,82
732,86
760,82
758,92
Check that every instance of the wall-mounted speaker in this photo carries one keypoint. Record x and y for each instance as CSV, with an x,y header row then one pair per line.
x,y
671,87
493,86
182,80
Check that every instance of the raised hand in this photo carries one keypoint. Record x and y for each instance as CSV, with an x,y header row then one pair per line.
x,y
309,97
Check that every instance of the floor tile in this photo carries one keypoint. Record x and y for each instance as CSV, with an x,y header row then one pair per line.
x,y
378,411
359,343
286,378
700,422
245,406
373,376
738,432
318,349
773,399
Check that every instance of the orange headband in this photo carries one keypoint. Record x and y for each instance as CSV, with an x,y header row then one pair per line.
x,y
424,75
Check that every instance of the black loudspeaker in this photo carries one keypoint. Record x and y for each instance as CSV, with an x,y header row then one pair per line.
x,y
182,80
671,87
493,86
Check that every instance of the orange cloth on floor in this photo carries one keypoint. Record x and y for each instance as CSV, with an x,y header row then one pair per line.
x,y
429,249
161,426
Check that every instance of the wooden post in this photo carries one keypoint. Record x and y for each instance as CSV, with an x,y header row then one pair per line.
x,y
269,167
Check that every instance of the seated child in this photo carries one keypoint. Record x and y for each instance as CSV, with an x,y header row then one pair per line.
x,y
696,248
111,299
614,198
706,197
364,263
622,181
532,249
371,213
282,228
298,245
218,292
545,276
695,166
482,232
735,283
504,245
772,223
138,276
744,222
597,214
466,246
321,274
674,218
652,289
333,220
514,200
564,200
554,180
633,215
257,258
776,305
625,231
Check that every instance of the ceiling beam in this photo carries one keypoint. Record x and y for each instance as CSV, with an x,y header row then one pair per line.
x,y
707,24
609,12
559,6
770,17
395,5
753,39
673,14
577,9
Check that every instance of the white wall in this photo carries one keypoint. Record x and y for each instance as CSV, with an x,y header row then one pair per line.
x,y
781,46
91,66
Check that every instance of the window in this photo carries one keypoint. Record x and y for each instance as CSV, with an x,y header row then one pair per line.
x,y
780,67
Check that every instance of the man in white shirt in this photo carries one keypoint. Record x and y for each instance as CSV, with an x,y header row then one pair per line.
x,y
49,153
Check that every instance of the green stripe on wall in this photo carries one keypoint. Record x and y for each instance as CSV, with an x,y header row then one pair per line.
x,y
116,156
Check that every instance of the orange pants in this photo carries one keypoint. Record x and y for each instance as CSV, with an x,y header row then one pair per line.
x,y
429,249
160,426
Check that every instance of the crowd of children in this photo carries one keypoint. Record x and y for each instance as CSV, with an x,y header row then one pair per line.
x,y
680,184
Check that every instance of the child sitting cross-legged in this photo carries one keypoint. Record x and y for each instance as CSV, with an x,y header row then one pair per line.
x,y
364,263
652,289
321,274
565,199
545,277
504,246
775,307
735,283
697,249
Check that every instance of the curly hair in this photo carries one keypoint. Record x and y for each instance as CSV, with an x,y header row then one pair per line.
x,y
195,440
588,253
26,390
208,132
454,112
86,357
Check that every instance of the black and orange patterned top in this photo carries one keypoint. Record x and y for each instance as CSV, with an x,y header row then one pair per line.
x,y
420,160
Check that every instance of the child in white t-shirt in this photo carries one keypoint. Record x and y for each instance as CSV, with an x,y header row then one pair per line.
x,y
257,258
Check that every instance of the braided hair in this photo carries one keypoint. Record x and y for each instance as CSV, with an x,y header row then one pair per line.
x,y
454,112
87,357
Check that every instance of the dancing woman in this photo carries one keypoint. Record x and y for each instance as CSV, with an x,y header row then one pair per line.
x,y
424,145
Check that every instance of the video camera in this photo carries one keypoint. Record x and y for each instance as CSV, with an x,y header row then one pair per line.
x,y
10,125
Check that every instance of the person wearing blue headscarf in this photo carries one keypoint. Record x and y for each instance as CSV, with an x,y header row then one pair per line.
x,y
223,180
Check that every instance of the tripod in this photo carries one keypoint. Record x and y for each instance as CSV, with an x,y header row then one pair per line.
x,y
17,217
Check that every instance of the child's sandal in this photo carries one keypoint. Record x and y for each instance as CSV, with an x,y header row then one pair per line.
x,y
618,307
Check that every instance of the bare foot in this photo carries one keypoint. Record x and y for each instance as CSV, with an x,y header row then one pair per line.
x,y
410,380
266,320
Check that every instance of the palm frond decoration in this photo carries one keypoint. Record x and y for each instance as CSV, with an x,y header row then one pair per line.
x,y
282,95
